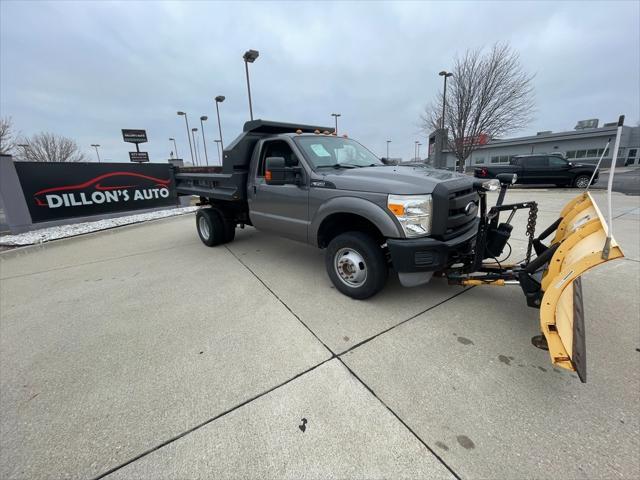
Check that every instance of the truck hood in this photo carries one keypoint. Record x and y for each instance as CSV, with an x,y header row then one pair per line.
x,y
398,179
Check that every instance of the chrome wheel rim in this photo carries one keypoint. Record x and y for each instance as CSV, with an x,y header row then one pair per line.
x,y
582,182
204,228
350,267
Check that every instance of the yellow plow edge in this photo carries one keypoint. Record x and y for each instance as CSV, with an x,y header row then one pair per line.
x,y
581,234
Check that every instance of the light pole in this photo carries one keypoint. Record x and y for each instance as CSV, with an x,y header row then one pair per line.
x,y
188,137
249,57
419,150
95,145
415,149
204,118
446,75
220,99
25,147
388,142
175,147
336,115
195,150
218,142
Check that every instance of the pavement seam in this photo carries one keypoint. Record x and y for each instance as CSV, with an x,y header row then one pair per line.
x,y
333,354
66,267
438,457
367,340
206,422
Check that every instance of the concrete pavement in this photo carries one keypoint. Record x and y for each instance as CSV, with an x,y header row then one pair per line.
x,y
140,353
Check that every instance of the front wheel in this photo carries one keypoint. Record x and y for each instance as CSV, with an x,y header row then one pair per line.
x,y
582,181
356,265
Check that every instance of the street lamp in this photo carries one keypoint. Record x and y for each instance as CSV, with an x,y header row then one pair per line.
x,y
204,118
95,145
415,149
419,150
26,148
188,138
175,147
249,57
446,75
336,115
218,142
220,99
388,142
195,151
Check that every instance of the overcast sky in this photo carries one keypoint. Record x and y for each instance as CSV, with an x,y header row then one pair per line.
x,y
88,69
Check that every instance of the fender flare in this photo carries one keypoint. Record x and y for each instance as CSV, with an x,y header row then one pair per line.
x,y
383,220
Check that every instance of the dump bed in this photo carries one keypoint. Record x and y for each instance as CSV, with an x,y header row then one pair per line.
x,y
229,182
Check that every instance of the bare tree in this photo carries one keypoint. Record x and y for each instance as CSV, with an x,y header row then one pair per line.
x,y
7,136
48,147
488,96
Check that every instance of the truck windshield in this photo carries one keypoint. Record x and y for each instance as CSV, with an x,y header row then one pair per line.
x,y
325,151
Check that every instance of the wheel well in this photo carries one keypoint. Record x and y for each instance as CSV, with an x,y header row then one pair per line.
x,y
338,223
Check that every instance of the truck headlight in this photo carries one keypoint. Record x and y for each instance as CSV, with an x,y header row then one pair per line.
x,y
413,212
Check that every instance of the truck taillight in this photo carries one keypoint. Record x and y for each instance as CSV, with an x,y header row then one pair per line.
x,y
483,172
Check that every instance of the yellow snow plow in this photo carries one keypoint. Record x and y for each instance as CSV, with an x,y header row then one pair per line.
x,y
552,280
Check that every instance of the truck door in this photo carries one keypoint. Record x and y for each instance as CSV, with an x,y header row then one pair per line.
x,y
558,170
536,169
280,209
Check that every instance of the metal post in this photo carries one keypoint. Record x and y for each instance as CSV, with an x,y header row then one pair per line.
x,y
188,137
388,142
219,99
614,159
336,115
94,145
246,67
175,147
419,151
218,142
193,134
204,142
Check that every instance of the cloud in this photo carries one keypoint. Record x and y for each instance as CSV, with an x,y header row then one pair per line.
x,y
88,69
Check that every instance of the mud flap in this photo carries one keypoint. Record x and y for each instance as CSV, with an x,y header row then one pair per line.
x,y
581,236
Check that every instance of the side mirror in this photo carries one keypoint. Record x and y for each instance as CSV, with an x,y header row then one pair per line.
x,y
507,178
277,172
388,161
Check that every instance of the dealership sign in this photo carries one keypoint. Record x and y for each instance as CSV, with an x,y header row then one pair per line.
x,y
139,156
134,136
55,191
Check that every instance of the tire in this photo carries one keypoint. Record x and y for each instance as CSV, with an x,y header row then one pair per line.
x,y
581,181
356,265
229,226
210,226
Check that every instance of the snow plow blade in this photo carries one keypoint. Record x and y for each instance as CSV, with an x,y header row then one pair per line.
x,y
582,243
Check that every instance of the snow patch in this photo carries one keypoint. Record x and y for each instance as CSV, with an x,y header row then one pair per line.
x,y
64,231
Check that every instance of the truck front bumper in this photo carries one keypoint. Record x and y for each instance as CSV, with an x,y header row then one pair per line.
x,y
428,254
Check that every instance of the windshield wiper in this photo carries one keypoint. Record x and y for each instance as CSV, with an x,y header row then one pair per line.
x,y
340,165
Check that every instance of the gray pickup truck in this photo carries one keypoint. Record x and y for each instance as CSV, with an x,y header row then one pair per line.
x,y
308,184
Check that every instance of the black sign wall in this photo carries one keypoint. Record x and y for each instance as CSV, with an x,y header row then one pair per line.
x,y
55,191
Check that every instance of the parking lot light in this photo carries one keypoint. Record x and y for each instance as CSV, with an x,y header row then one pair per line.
x,y
249,56
188,137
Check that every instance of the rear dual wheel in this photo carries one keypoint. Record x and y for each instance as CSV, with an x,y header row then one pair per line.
x,y
214,228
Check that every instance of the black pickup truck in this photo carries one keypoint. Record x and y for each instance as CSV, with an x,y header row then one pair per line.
x,y
542,169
